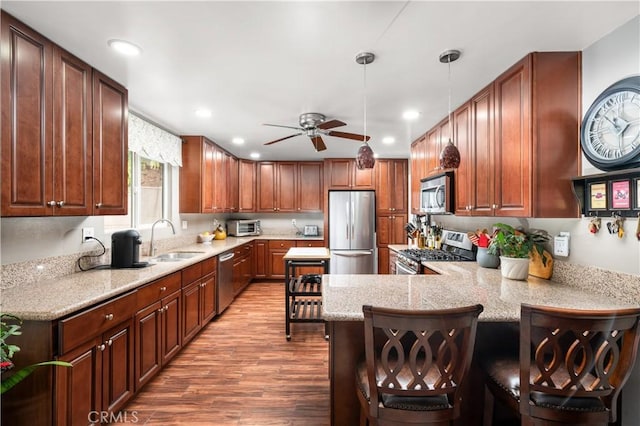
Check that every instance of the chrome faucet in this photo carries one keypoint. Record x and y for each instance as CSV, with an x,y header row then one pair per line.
x,y
152,249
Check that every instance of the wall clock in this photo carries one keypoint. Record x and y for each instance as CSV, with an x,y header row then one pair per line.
x,y
610,136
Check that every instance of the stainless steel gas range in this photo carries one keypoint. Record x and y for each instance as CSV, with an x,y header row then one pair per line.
x,y
456,247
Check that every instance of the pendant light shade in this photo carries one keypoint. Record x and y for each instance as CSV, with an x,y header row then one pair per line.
x,y
365,158
450,155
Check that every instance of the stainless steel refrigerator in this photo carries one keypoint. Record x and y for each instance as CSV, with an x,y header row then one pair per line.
x,y
352,232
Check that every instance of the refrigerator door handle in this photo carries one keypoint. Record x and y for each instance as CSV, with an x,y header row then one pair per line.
x,y
352,253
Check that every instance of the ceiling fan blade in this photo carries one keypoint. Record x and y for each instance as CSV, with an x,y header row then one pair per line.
x,y
281,139
318,143
331,124
353,136
286,127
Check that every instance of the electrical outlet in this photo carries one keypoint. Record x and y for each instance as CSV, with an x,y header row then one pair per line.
x,y
184,224
561,244
87,233
293,222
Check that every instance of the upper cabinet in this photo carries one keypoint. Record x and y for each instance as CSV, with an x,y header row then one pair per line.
x,y
287,186
391,186
518,140
208,177
418,170
110,150
246,186
342,173
64,129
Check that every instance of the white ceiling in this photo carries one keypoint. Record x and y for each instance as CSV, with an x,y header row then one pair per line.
x,y
269,61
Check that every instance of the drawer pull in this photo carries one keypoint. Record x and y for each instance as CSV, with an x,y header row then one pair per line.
x,y
102,347
163,289
108,317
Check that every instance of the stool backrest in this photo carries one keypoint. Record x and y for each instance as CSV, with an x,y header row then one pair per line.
x,y
419,353
566,353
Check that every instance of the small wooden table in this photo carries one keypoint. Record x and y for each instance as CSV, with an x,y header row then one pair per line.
x,y
303,294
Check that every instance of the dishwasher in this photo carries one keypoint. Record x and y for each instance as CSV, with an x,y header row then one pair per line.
x,y
225,280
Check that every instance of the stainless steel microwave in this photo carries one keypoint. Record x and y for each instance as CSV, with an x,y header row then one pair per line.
x,y
436,194
243,228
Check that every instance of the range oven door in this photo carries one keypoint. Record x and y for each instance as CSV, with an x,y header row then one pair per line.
x,y
402,269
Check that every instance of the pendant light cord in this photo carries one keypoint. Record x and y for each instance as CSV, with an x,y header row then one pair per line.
x,y
450,118
364,137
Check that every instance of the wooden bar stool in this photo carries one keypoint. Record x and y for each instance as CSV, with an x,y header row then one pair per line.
x,y
415,365
572,366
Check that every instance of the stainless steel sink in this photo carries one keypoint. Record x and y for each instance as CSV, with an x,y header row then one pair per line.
x,y
176,256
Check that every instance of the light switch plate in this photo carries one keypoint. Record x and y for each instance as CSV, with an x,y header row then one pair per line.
x,y
561,244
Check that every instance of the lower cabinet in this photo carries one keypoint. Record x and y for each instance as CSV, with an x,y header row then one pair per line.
x,y
260,249
198,297
390,230
101,379
242,267
275,257
158,327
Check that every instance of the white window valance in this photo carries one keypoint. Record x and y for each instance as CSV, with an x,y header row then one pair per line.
x,y
154,143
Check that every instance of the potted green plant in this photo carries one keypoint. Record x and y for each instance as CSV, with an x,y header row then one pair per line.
x,y
514,246
10,326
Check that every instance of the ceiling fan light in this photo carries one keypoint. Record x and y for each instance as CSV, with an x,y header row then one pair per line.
x,y
449,156
365,158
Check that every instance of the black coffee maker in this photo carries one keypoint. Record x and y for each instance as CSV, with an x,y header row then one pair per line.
x,y
125,249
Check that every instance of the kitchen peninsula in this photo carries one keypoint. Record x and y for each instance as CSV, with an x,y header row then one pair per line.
x,y
458,284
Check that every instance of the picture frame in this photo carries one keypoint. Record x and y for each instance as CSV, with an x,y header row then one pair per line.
x,y
636,194
598,196
620,193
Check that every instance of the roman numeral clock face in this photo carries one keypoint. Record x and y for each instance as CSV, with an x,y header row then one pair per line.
x,y
610,135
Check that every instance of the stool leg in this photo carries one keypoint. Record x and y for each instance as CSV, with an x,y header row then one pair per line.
x,y
489,402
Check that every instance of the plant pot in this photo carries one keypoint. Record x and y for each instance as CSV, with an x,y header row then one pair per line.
x,y
514,268
487,260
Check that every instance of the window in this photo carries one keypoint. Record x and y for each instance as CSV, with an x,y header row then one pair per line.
x,y
148,194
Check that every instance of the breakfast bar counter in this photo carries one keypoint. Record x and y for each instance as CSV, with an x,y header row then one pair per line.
x,y
458,284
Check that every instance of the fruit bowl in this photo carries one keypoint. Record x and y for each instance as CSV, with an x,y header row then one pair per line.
x,y
205,238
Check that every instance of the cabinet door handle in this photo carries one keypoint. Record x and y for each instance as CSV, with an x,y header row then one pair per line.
x,y
60,203
166,308
109,342
161,310
98,205
203,285
102,347
494,206
51,203
163,289
108,317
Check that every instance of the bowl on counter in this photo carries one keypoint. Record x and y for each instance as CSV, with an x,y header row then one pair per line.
x,y
205,239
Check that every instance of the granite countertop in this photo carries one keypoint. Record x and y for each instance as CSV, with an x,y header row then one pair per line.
x,y
459,284
55,298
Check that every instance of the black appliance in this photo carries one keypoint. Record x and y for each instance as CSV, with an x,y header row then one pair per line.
x,y
125,250
456,247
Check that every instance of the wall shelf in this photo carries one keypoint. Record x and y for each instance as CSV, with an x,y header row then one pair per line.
x,y
609,194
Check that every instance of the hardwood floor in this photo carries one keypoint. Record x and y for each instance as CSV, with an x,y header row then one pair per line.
x,y
240,370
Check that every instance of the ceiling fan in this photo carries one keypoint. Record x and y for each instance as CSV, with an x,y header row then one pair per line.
x,y
313,125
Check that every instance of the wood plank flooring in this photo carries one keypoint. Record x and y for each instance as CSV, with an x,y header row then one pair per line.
x,y
240,370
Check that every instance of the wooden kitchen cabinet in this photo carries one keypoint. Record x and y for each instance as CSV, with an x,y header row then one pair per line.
x,y
277,184
275,255
158,327
391,186
390,230
67,144
233,193
246,186
309,197
242,267
260,252
342,173
418,170
537,106
198,297
110,146
104,377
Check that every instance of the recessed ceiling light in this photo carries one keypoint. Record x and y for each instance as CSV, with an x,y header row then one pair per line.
x,y
203,113
124,47
376,155
254,155
237,141
410,115
388,140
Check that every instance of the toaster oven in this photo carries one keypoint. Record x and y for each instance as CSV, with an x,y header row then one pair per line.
x,y
243,227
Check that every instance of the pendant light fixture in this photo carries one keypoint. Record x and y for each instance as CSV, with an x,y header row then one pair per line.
x,y
449,156
365,158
